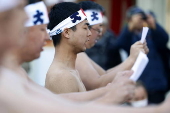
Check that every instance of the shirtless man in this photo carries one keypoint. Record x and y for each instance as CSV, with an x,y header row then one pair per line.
x,y
87,68
18,95
35,39
36,36
71,39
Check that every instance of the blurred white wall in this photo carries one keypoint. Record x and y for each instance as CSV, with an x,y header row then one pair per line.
x,y
162,10
157,6
39,67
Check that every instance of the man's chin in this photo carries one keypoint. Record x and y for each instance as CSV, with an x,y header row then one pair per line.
x,y
34,57
84,49
91,46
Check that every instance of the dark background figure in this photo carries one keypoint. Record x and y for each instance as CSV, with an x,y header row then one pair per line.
x,y
154,76
164,52
104,53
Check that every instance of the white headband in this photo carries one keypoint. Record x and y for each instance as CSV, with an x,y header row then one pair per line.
x,y
53,2
8,4
94,17
69,22
37,14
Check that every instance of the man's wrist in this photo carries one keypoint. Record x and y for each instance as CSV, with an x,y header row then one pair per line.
x,y
131,60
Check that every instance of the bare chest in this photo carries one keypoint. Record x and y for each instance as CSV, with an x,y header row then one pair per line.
x,y
78,79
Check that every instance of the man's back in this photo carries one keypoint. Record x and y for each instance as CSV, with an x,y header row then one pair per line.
x,y
19,94
62,79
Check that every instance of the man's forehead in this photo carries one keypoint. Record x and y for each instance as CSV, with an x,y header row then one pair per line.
x,y
38,26
98,25
84,22
137,15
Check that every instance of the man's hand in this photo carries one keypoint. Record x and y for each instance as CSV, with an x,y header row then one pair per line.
x,y
151,21
136,48
146,49
121,89
136,22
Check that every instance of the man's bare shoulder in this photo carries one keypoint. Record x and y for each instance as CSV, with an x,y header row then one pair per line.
x,y
83,62
82,59
82,55
61,81
59,74
9,76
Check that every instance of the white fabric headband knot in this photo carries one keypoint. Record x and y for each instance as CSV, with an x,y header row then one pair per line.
x,y
37,14
8,4
69,22
94,17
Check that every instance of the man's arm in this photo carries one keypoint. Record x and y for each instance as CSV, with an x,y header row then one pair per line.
x,y
91,77
85,96
66,84
41,101
90,72
128,63
117,92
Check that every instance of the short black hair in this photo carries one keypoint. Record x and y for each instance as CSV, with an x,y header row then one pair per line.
x,y
87,5
58,13
135,10
33,1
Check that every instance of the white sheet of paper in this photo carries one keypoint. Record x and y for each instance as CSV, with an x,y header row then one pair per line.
x,y
144,33
139,66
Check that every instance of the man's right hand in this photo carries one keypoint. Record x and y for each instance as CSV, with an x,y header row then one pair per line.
x,y
121,89
136,48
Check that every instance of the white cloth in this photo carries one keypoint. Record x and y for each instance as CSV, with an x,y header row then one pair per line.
x,y
37,14
69,22
53,2
140,103
94,17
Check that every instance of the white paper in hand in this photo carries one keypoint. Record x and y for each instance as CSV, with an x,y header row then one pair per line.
x,y
144,33
139,66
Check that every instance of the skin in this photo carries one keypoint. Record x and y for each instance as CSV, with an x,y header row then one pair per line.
x,y
10,18
151,21
96,31
136,22
36,37
24,94
140,93
62,77
64,61
100,77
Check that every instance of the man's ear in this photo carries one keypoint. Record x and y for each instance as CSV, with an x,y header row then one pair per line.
x,y
66,32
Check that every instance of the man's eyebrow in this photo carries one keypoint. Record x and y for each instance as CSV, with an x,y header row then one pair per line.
x,y
101,25
86,24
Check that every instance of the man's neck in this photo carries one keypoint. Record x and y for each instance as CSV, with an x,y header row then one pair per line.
x,y
10,60
65,56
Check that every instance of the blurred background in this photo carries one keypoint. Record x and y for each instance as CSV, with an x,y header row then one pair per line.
x,y
116,12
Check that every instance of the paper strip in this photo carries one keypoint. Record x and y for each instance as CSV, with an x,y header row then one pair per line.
x,y
144,33
139,66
